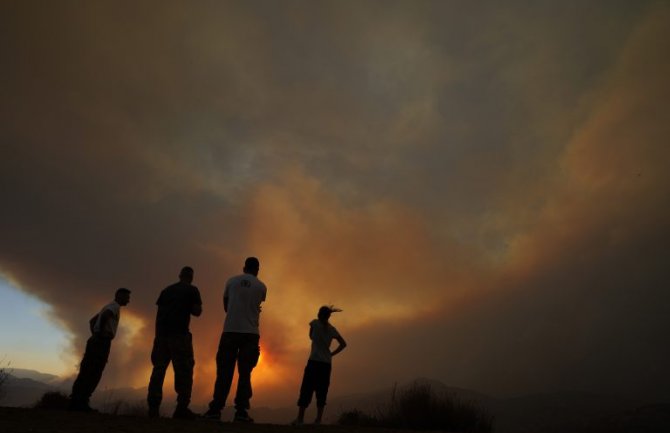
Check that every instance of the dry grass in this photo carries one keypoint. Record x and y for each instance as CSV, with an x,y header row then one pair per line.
x,y
4,376
123,407
54,400
419,407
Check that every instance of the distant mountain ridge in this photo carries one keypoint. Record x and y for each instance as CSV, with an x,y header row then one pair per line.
x,y
22,373
23,391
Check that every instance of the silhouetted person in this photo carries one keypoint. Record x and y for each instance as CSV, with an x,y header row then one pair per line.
x,y
173,343
103,329
242,299
316,378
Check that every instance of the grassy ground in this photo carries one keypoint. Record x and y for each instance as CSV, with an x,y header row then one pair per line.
x,y
19,420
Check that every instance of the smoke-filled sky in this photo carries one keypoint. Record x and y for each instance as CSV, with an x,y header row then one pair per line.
x,y
483,187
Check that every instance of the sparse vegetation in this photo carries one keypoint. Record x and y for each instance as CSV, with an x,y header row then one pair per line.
x,y
419,407
138,408
123,407
112,407
357,418
113,404
4,377
52,400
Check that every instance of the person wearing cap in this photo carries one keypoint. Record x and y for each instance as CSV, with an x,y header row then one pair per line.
x,y
103,329
174,343
242,298
316,378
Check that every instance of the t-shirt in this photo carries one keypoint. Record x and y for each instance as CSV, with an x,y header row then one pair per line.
x,y
112,324
322,335
175,304
245,293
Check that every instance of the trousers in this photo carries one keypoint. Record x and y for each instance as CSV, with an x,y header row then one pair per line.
x,y
241,349
90,370
177,349
316,380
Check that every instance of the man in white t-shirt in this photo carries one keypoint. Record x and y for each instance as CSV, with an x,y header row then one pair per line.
x,y
103,328
242,300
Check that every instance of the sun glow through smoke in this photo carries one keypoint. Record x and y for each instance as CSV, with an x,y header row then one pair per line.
x,y
267,371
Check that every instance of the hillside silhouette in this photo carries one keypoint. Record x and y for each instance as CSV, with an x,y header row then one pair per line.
x,y
570,412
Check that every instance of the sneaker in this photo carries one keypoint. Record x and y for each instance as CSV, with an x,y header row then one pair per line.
x,y
212,414
154,412
184,413
242,416
297,423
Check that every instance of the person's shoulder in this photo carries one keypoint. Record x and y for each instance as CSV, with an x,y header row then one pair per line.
x,y
113,307
234,279
257,282
231,283
171,287
187,289
195,294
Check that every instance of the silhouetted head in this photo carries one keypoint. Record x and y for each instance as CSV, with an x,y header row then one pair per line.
x,y
251,266
122,296
186,275
324,313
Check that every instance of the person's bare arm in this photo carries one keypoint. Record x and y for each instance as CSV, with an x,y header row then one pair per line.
x,y
339,348
196,310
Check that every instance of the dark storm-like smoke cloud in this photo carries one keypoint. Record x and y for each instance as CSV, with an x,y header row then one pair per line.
x,y
372,156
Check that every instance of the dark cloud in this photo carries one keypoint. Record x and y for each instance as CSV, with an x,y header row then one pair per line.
x,y
482,188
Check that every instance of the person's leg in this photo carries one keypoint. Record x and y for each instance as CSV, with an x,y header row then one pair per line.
x,y
226,357
319,414
160,358
300,420
90,372
249,353
301,415
99,361
77,397
306,391
307,386
322,384
183,362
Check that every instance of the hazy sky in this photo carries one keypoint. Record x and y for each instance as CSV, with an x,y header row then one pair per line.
x,y
483,187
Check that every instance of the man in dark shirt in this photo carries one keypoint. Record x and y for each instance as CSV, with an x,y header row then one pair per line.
x,y
173,342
